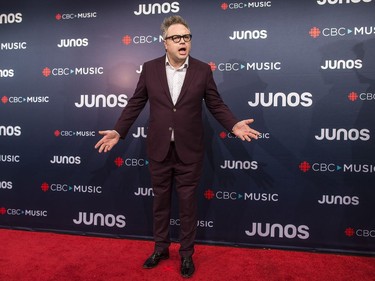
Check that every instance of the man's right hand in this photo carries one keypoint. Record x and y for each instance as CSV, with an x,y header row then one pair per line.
x,y
106,143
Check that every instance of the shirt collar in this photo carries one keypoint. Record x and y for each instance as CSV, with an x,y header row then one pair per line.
x,y
185,65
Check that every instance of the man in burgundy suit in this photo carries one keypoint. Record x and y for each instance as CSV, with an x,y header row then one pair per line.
x,y
176,85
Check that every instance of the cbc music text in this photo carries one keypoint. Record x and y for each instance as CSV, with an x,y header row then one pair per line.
x,y
99,219
18,100
58,187
13,46
249,5
200,223
157,8
333,2
31,213
292,99
10,158
101,100
60,71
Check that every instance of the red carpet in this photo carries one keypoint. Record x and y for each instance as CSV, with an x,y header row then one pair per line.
x,y
39,256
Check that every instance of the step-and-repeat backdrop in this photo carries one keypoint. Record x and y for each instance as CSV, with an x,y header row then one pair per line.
x,y
304,70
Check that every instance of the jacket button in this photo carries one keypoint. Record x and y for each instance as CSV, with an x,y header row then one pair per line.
x,y
170,128
174,109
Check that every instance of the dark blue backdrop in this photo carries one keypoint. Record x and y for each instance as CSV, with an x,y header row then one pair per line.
x,y
303,70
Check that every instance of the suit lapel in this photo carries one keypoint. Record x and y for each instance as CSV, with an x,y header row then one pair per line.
x,y
162,74
190,73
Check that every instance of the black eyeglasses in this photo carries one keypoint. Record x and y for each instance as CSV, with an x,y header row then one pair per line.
x,y
177,38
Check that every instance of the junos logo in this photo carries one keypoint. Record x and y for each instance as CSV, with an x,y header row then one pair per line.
x,y
143,191
157,8
10,131
342,64
334,2
68,43
239,165
70,160
339,200
292,99
101,100
289,231
141,133
249,35
98,219
6,73
10,18
343,134
6,185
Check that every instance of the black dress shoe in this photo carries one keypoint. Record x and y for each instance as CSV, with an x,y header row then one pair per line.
x,y
155,258
187,267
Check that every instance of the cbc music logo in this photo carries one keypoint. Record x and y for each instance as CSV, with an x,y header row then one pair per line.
x,y
85,15
249,66
6,73
13,46
316,32
10,131
65,71
141,39
354,96
343,134
249,35
10,18
277,230
334,2
6,185
130,162
292,99
363,233
209,194
22,100
10,158
23,212
99,219
200,223
67,133
157,8
245,5
72,188
69,43
339,200
230,135
333,167
102,100
239,165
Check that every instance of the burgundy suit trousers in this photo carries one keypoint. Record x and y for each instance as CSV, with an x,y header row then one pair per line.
x,y
185,178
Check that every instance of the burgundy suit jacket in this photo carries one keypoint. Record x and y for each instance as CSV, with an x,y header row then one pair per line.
x,y
185,118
